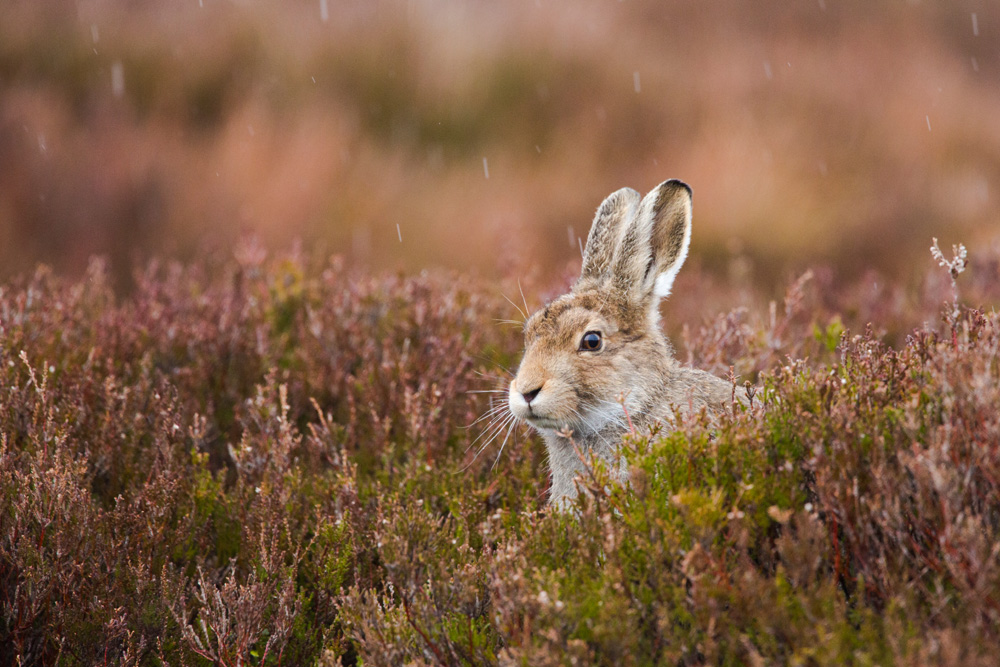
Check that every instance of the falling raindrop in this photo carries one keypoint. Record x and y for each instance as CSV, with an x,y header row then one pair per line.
x,y
93,32
928,123
975,25
767,70
41,143
538,148
635,82
117,78
324,11
569,234
486,169
975,64
399,233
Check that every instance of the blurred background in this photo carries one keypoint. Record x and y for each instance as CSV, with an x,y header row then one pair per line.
x,y
482,136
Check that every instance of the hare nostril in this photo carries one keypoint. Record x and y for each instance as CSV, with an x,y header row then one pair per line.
x,y
530,395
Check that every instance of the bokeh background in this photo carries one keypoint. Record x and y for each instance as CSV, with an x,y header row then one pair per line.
x,y
481,136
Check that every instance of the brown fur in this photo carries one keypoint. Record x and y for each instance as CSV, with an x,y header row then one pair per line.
x,y
604,232
588,393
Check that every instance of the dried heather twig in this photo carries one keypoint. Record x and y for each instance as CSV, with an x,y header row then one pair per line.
x,y
955,266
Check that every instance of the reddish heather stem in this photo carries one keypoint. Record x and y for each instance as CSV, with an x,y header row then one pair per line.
x,y
837,563
631,428
427,640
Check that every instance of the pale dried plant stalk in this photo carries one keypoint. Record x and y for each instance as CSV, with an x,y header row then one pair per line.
x,y
955,266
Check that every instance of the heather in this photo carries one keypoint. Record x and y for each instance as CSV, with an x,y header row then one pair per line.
x,y
267,459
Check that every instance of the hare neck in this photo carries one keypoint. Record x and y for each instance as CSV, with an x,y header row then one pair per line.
x,y
569,459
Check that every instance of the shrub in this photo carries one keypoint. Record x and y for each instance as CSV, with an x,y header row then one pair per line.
x,y
257,461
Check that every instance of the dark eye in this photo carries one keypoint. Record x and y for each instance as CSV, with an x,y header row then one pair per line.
x,y
591,341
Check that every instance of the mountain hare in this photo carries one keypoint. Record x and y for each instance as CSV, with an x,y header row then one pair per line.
x,y
602,341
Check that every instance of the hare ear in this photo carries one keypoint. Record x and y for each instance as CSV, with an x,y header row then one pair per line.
x,y
603,241
655,245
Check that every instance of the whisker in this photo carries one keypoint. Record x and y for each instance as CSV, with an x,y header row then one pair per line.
x,y
526,309
496,405
494,433
495,363
498,420
495,418
523,314
490,428
504,425
596,431
495,378
633,412
502,444
616,417
492,412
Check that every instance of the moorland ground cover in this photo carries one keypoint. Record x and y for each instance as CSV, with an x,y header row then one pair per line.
x,y
261,459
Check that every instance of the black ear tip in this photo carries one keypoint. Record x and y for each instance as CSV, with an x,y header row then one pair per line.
x,y
675,184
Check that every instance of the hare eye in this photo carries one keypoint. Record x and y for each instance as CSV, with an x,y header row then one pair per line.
x,y
591,341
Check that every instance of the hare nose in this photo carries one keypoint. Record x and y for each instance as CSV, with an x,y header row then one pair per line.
x,y
530,395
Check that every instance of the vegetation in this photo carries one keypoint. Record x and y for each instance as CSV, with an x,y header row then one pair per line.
x,y
255,460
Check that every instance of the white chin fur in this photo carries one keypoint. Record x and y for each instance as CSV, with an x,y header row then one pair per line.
x,y
591,423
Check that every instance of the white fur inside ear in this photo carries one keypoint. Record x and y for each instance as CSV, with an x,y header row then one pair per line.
x,y
665,281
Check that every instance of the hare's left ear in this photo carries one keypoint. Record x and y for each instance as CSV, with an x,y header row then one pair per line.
x,y
613,218
654,246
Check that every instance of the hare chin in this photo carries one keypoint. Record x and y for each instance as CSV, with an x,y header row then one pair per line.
x,y
589,425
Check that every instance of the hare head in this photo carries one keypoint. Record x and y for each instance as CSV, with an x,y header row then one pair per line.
x,y
595,358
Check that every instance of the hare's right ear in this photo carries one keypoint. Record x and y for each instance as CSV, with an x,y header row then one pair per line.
x,y
653,246
603,241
